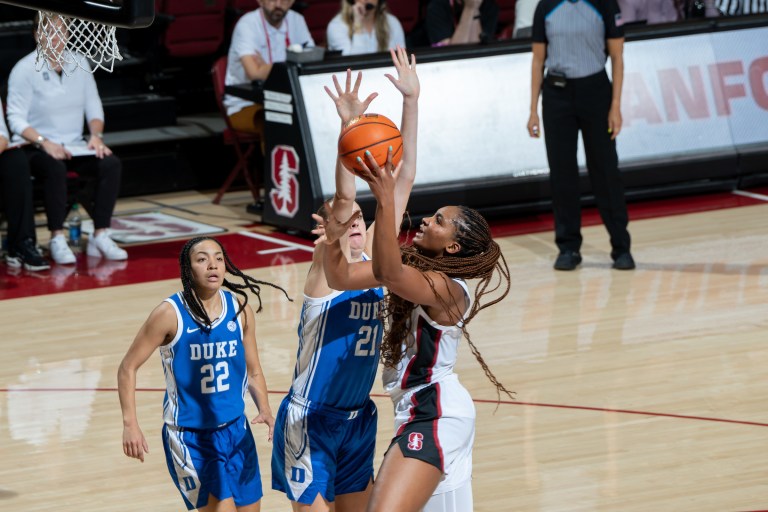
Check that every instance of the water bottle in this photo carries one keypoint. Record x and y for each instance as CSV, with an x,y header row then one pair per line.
x,y
74,227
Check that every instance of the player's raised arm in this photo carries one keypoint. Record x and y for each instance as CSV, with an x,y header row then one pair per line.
x,y
348,106
407,82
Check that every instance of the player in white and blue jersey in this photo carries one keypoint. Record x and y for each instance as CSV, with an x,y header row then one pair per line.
x,y
207,343
325,430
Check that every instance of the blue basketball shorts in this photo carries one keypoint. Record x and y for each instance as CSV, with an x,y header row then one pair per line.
x,y
221,462
322,450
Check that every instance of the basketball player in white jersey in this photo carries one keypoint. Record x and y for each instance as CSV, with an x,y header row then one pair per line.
x,y
325,430
207,343
428,466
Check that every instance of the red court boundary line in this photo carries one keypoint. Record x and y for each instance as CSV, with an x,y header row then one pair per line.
x,y
476,400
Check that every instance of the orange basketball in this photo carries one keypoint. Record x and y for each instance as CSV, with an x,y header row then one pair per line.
x,y
369,132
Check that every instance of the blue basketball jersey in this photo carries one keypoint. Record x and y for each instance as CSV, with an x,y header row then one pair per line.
x,y
339,342
205,372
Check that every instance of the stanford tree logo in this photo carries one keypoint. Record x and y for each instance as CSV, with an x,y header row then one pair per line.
x,y
415,441
284,196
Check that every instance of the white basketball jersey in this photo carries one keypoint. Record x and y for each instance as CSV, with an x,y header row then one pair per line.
x,y
431,357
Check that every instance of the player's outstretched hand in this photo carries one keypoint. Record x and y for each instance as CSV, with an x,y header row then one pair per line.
x,y
319,230
332,228
268,420
134,444
407,81
380,181
348,104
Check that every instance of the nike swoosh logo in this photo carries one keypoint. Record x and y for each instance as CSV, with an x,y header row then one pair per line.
x,y
192,330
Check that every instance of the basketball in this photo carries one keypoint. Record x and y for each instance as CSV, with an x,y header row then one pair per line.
x,y
369,132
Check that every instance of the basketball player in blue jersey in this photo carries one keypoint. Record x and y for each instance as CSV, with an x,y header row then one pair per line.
x,y
428,466
325,430
207,343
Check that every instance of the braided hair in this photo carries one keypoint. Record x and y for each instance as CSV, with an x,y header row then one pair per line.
x,y
480,257
190,296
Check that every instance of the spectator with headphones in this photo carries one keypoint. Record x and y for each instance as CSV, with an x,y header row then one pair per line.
x,y
260,39
364,26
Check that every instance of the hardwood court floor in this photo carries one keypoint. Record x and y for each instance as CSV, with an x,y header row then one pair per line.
x,y
636,391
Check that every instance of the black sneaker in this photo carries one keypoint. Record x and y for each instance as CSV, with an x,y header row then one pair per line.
x,y
624,261
567,260
27,255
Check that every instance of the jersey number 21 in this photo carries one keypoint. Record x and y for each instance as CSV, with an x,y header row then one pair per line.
x,y
366,345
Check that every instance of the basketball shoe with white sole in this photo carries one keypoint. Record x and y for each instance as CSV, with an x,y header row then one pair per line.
x,y
101,245
60,251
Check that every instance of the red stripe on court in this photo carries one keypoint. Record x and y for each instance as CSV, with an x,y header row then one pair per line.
x,y
159,261
149,262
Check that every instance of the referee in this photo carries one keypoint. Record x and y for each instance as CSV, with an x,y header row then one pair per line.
x,y
571,39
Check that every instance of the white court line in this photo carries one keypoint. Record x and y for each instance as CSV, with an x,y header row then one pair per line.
x,y
276,250
277,241
760,197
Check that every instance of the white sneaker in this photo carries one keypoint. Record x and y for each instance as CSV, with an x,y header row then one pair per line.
x,y
102,245
60,251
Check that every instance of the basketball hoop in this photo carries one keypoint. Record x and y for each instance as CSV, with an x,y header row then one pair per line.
x,y
68,42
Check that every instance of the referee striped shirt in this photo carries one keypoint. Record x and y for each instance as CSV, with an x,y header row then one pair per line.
x,y
575,32
738,7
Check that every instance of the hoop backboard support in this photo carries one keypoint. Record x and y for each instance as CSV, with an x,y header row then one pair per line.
x,y
119,13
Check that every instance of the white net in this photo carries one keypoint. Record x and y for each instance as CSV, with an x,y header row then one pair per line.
x,y
68,43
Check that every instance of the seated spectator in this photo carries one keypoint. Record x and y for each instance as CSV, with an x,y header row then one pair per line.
x,y
47,108
524,10
364,26
260,39
650,11
17,203
461,21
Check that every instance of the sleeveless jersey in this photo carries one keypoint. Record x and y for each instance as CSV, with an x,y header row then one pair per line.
x,y
432,356
339,342
205,371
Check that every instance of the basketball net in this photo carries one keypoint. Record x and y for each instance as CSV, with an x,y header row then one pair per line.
x,y
70,43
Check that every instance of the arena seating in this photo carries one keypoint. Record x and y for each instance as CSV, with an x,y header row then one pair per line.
x,y
407,11
318,13
194,27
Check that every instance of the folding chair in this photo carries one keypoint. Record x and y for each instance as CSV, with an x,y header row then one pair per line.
x,y
243,143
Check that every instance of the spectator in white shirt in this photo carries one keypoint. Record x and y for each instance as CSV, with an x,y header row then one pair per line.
x,y
47,108
260,39
364,26
524,10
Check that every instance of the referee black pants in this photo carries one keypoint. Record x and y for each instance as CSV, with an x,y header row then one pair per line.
x,y
53,173
583,105
17,197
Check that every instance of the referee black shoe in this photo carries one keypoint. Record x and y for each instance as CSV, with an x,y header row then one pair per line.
x,y
624,261
27,255
567,260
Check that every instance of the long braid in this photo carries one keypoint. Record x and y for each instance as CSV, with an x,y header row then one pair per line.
x,y
192,301
481,258
190,296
